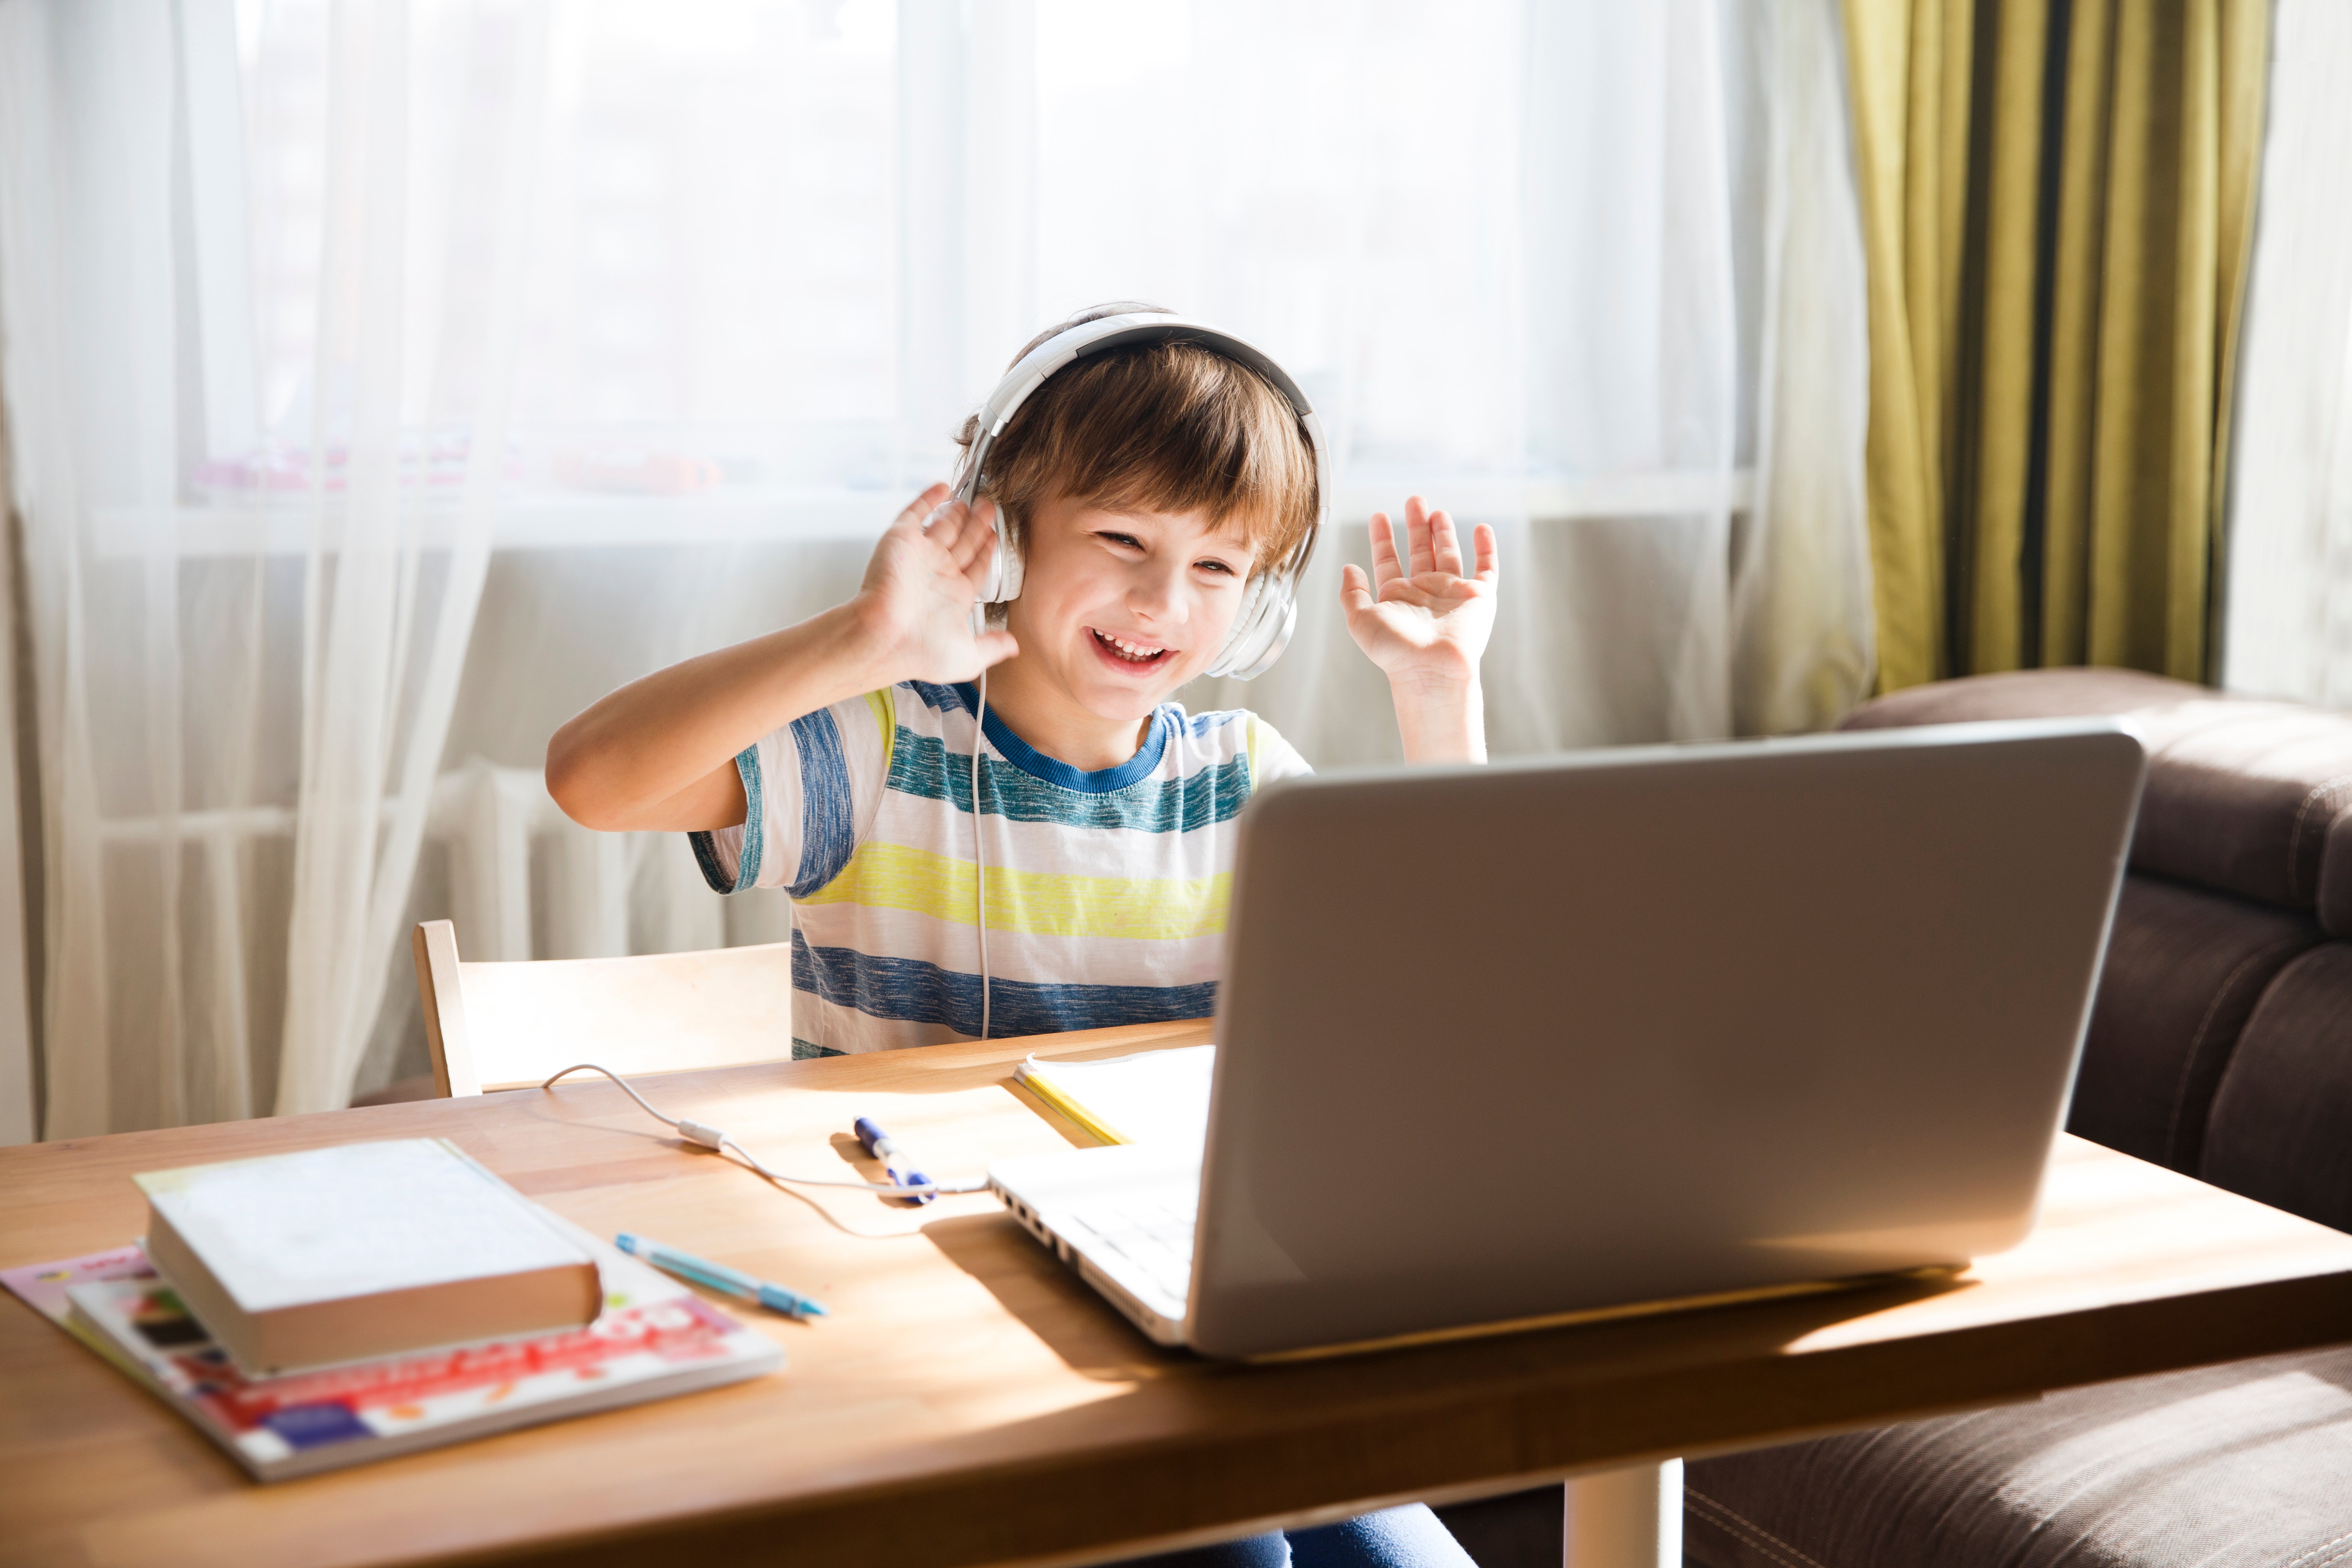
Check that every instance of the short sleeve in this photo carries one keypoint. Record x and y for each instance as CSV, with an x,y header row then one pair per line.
x,y
1270,756
810,791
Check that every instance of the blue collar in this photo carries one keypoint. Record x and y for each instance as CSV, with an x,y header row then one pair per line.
x,y
1054,771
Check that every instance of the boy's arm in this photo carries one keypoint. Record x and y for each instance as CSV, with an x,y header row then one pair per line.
x,y
1427,629
659,754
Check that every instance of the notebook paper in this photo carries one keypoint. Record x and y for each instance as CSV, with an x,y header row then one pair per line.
x,y
1154,1096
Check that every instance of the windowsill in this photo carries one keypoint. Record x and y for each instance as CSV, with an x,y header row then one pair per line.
x,y
745,514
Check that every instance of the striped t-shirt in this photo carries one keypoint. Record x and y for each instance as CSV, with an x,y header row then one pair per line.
x,y
1106,891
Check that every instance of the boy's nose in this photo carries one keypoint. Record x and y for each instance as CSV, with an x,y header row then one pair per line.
x,y
1155,594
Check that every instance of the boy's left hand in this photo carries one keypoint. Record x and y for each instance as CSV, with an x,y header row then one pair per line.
x,y
1429,625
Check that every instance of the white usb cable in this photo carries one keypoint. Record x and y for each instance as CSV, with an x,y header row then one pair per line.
x,y
711,1138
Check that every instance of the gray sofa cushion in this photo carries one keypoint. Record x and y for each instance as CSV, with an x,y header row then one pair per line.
x,y
2281,1130
2242,1465
2184,970
2068,693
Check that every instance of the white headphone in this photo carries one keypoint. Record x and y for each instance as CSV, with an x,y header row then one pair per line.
x,y
1270,604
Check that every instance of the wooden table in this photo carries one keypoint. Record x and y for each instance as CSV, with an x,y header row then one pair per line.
x,y
970,1402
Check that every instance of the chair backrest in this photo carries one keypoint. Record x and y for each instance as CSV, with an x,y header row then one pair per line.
x,y
504,1025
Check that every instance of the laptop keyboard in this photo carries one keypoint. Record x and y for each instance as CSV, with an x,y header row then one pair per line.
x,y
1154,1235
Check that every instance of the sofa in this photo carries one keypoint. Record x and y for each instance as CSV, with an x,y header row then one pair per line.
x,y
2220,1044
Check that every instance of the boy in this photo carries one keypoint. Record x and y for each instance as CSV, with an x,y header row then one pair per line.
x,y
834,758
1143,487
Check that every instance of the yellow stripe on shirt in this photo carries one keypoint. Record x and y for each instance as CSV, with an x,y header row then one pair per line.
x,y
886,718
1039,903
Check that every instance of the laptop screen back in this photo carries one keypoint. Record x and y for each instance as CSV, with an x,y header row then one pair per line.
x,y
1540,1037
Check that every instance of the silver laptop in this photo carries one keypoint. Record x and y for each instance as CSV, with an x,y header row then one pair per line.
x,y
1521,1041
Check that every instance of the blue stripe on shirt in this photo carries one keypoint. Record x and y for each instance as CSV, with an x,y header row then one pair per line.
x,y
940,699
706,848
1101,780
910,991
706,856
755,806
923,766
965,698
828,828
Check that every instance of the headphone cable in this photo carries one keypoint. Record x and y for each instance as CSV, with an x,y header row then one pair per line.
x,y
704,1135
978,853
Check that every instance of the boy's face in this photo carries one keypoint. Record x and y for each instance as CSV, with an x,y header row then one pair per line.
x,y
1118,608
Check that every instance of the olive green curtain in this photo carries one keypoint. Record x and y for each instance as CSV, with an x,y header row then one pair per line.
x,y
2057,203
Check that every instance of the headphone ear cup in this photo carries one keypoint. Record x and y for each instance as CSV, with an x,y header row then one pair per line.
x,y
1270,637
1245,622
1010,567
1003,579
1261,631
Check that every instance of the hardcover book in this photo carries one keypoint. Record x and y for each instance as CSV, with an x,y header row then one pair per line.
x,y
357,1251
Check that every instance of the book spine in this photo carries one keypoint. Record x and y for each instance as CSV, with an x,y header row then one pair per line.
x,y
182,1268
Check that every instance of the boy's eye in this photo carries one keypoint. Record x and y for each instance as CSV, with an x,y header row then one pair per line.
x,y
1125,541
1213,564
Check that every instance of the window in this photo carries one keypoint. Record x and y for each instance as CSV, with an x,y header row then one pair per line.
x,y
776,250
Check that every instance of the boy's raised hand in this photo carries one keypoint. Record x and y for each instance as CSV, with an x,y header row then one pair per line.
x,y
1428,625
658,755
915,601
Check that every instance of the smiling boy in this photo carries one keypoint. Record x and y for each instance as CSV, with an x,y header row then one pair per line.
x,y
1144,488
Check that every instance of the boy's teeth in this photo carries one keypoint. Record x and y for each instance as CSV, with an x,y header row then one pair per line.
x,y
1128,650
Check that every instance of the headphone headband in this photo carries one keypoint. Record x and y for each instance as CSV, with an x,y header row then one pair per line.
x,y
1270,610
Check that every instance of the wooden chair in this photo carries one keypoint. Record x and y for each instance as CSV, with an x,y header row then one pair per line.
x,y
506,1026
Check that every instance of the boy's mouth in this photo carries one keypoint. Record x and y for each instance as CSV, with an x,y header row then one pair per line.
x,y
1140,654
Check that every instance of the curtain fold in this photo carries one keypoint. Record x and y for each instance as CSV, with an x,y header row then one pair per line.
x,y
2058,197
251,602
2288,588
392,588
1897,162
1803,637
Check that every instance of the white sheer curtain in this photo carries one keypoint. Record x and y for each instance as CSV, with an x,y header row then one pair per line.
x,y
353,342
1803,650
251,605
2287,629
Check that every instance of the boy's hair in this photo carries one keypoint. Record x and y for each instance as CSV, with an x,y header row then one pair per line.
x,y
1167,426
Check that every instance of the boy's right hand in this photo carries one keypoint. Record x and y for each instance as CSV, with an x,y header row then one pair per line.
x,y
658,755
916,603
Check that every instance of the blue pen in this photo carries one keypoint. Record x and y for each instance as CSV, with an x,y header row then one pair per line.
x,y
885,1148
718,1277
